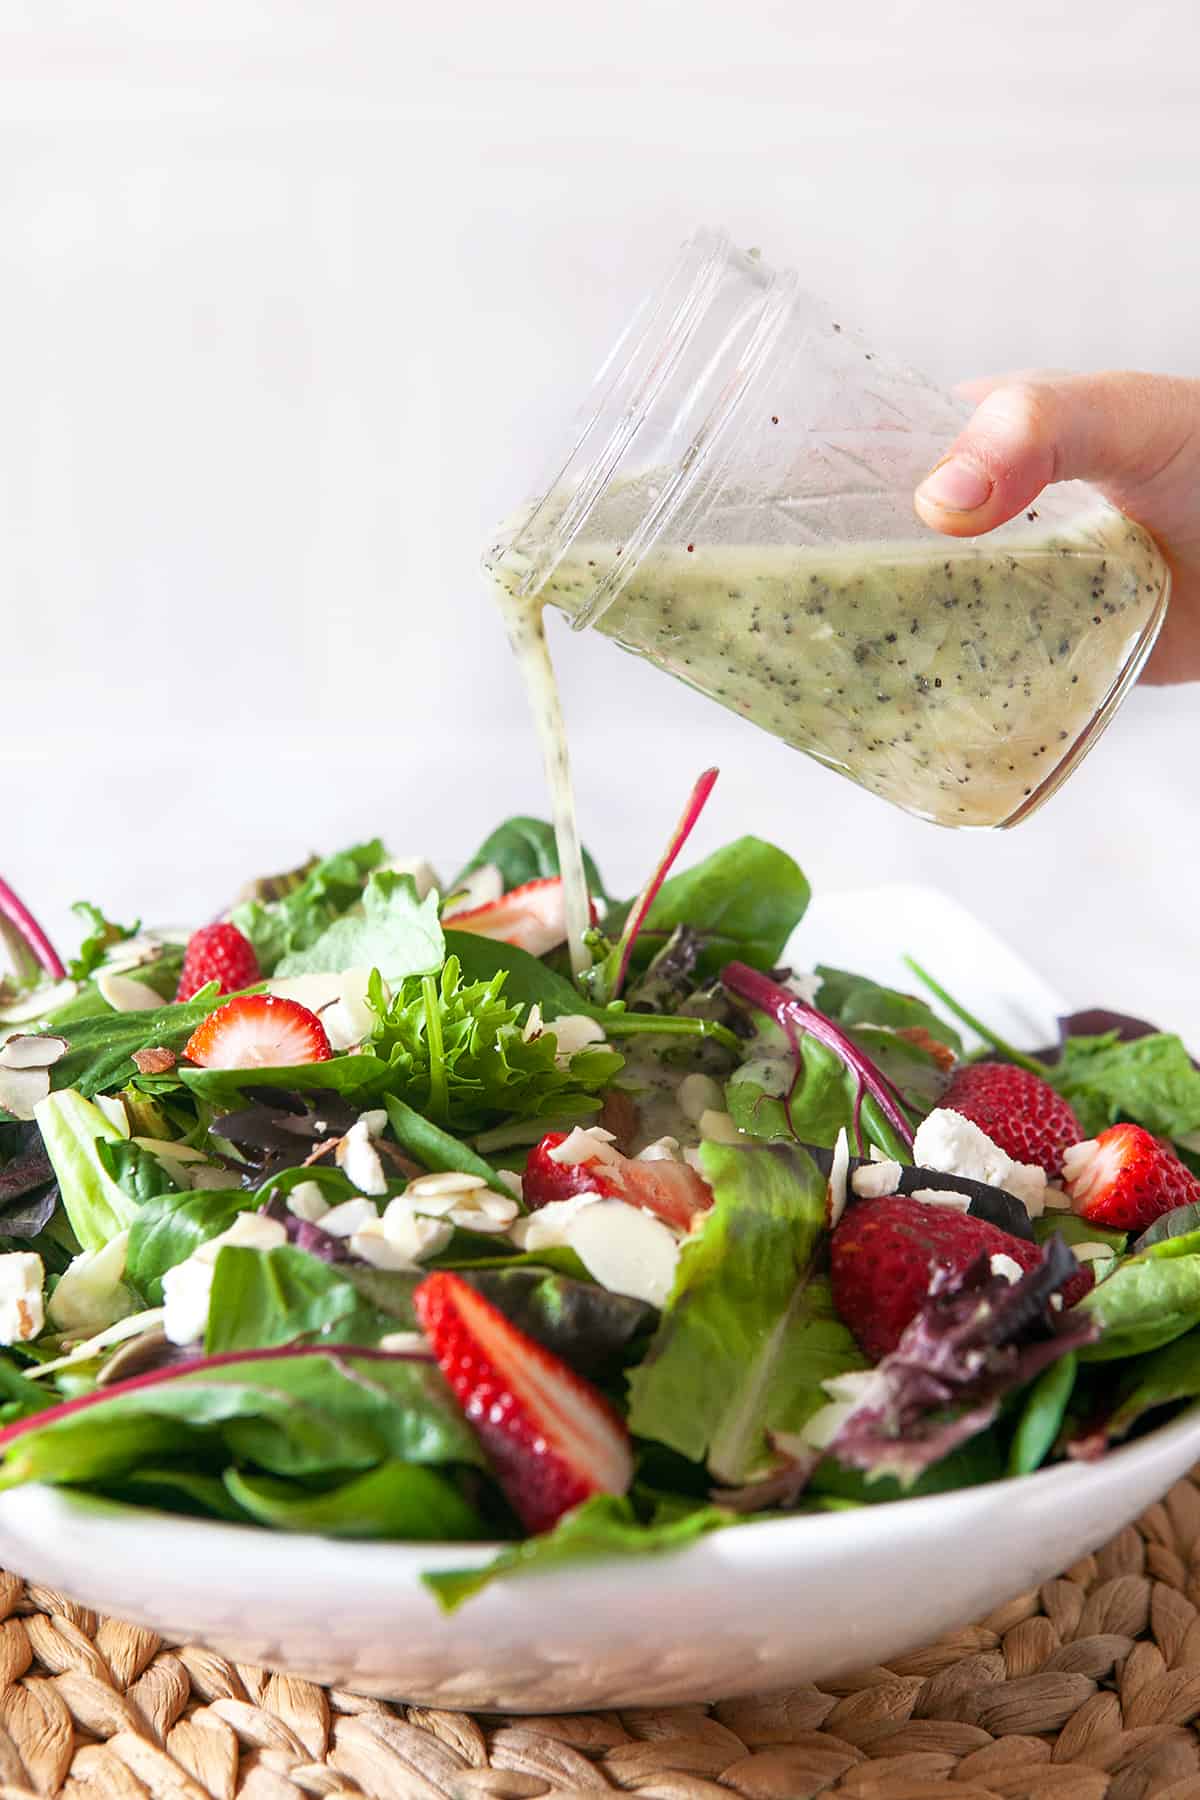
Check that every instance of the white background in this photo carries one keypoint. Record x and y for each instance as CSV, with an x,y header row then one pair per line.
x,y
290,297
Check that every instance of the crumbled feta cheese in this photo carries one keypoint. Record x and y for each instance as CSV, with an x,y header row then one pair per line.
x,y
718,1127
877,1180
699,1094
956,1146
21,1311
358,1159
835,1188
350,1216
1007,1266
91,1293
187,1290
946,1197
307,1202
589,1143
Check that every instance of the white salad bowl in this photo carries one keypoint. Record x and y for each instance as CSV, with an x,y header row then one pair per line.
x,y
746,1610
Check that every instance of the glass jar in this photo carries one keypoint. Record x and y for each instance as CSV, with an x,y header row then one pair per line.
x,y
736,507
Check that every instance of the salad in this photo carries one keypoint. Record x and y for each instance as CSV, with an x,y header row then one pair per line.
x,y
352,1213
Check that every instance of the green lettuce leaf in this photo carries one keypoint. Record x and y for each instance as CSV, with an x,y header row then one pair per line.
x,y
167,1228
602,1526
525,850
749,1332
745,900
286,1296
295,1413
1146,1302
277,928
102,934
396,1500
390,929
1150,1080
94,1201
1043,1409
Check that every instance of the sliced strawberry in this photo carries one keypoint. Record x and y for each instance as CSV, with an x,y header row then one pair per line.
x,y
1018,1110
533,917
258,1031
1126,1178
552,1439
673,1191
217,953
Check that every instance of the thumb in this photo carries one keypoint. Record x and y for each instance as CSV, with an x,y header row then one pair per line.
x,y
1120,431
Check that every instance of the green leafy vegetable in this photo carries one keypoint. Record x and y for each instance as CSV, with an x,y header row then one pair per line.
x,y
602,1526
749,1332
102,1045
136,1170
525,850
359,1078
855,1000
1145,1303
94,1201
101,936
527,980
390,929
1043,1409
167,1228
278,928
395,1500
1150,1080
592,1330
809,1093
744,900
1164,1378
1074,1230
435,1149
285,1296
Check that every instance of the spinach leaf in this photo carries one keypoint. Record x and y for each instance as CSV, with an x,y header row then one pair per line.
x,y
359,1077
389,930
276,928
593,1331
169,1488
298,1412
524,850
136,1170
744,900
855,1000
749,1332
1151,1080
395,1500
1043,1408
980,1459
168,1227
285,1296
102,1045
1161,1379
101,936
1074,1230
601,1526
434,1148
1145,1303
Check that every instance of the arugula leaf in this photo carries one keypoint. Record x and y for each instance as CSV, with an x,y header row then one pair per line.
x,y
744,900
277,928
436,1149
1145,1303
1151,1080
854,1000
167,1228
284,1296
592,1330
749,1332
1161,1379
525,850
478,1068
395,1500
102,935
293,1411
601,1526
1044,1406
390,929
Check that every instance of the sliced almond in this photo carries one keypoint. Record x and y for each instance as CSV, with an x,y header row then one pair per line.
x,y
26,1051
43,1000
22,1089
124,994
625,1250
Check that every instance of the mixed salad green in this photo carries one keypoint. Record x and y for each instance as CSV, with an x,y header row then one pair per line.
x,y
331,1293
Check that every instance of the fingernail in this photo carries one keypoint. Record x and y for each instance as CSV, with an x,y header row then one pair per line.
x,y
955,485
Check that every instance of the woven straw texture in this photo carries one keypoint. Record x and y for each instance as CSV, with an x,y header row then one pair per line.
x,y
1084,1690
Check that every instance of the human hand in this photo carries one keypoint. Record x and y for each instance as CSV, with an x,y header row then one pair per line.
x,y
1135,437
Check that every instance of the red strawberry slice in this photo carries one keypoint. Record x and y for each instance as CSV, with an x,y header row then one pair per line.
x,y
258,1031
533,917
674,1191
1018,1110
1126,1178
217,953
884,1254
552,1439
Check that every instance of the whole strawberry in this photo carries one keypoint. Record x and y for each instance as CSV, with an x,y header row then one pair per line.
x,y
217,953
1125,1178
1019,1111
883,1256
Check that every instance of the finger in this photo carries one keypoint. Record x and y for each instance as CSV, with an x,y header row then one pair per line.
x,y
1118,430
980,386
